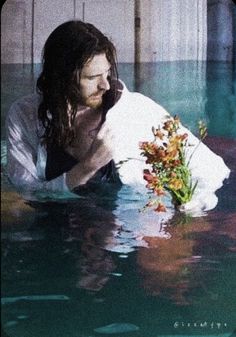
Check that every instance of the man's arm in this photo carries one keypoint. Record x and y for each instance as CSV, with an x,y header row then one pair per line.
x,y
22,151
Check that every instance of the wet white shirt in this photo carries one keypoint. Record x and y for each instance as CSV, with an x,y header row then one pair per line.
x,y
130,121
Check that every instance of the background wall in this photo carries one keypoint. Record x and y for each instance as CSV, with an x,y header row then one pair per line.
x,y
168,29
26,24
173,30
220,30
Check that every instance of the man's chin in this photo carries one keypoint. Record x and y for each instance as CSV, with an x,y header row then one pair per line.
x,y
94,103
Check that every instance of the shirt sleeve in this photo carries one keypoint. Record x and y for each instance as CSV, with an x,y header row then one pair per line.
x,y
22,149
207,169
137,117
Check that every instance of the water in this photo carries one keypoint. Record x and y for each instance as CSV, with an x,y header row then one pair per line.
x,y
96,266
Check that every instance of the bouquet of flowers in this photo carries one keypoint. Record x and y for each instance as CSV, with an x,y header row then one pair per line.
x,y
170,171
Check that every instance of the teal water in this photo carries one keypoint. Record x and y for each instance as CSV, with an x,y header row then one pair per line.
x,y
193,90
95,266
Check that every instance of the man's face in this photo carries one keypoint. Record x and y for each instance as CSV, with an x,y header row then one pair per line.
x,y
94,80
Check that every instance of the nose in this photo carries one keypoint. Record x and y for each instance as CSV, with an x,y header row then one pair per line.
x,y
104,83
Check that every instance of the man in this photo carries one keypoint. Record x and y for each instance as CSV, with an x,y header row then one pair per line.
x,y
60,131
84,126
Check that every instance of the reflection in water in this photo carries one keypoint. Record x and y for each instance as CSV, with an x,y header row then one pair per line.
x,y
85,231
92,225
178,268
66,248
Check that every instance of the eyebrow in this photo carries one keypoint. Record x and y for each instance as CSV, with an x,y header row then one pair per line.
x,y
96,75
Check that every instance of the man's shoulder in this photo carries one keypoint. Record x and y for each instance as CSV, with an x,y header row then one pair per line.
x,y
31,100
24,108
142,103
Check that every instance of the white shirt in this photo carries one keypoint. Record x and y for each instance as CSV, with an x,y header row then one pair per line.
x,y
130,121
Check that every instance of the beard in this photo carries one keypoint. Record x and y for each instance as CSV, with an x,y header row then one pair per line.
x,y
94,101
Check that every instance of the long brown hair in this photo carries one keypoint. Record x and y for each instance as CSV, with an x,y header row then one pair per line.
x,y
66,51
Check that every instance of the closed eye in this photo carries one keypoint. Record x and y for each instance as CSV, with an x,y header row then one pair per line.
x,y
91,77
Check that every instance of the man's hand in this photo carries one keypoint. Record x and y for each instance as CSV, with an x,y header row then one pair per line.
x,y
98,155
